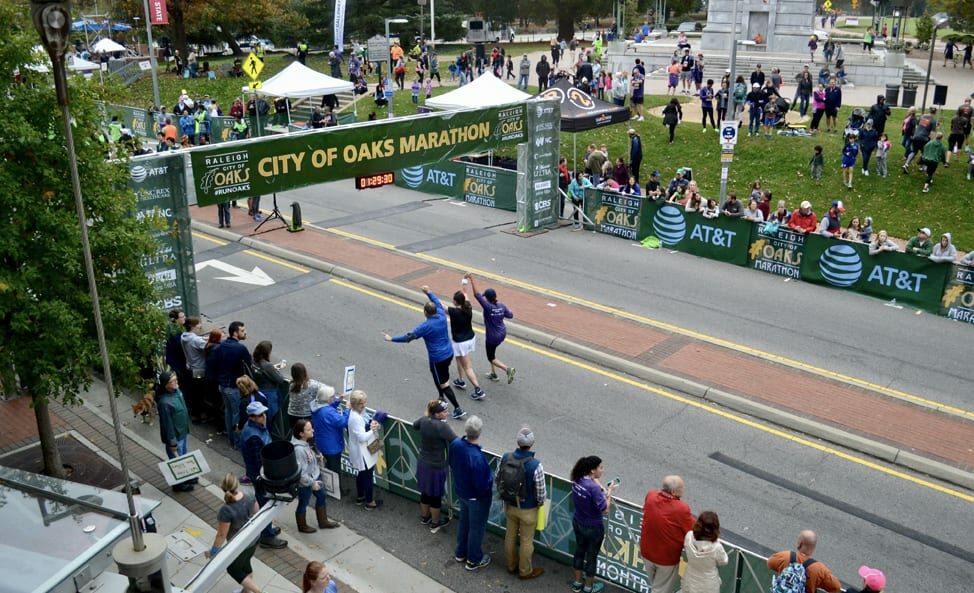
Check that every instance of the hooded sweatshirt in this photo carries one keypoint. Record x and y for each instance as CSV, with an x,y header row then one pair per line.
x,y
703,558
944,254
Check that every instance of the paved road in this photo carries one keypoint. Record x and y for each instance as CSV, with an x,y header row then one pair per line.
x,y
765,487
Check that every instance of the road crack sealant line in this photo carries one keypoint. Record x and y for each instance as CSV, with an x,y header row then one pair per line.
x,y
703,397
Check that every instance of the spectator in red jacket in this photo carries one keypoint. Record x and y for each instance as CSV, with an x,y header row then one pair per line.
x,y
666,520
803,220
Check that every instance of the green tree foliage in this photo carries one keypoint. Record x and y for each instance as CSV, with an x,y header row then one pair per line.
x,y
924,29
961,13
48,336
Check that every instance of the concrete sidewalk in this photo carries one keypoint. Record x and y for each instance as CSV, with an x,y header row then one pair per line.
x,y
898,428
191,516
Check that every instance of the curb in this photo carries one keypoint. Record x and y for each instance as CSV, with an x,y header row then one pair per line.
x,y
837,436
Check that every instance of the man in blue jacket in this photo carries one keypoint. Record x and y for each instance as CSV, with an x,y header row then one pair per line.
x,y
225,365
436,335
253,438
473,484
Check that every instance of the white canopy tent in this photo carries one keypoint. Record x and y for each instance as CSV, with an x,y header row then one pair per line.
x,y
297,81
485,91
107,46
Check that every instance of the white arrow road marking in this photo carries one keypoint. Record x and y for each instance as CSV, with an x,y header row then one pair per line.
x,y
257,277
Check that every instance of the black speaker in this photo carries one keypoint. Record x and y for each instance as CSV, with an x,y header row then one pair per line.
x,y
940,95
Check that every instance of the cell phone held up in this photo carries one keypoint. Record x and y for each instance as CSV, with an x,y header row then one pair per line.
x,y
613,483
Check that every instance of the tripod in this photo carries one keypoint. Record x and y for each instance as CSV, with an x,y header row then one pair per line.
x,y
275,213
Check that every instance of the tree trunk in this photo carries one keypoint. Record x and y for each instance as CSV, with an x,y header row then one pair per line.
x,y
178,26
52,457
566,23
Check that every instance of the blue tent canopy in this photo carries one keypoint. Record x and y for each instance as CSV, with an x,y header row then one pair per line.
x,y
95,26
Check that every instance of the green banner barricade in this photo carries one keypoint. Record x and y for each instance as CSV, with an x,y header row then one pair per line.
x,y
538,200
619,562
724,239
159,183
279,163
906,278
778,253
958,300
474,183
614,213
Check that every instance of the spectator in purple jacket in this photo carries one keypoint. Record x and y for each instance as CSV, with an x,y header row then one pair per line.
x,y
494,315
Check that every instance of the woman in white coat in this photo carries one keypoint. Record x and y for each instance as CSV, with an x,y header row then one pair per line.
x,y
704,555
358,448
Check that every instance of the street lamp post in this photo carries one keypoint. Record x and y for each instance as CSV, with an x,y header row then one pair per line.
x,y
939,20
388,59
52,19
152,56
731,104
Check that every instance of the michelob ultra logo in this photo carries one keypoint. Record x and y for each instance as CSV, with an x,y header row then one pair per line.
x,y
669,225
840,265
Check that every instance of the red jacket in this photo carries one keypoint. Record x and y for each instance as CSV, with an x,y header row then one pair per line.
x,y
807,223
666,521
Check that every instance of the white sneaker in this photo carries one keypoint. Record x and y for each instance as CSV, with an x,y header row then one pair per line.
x,y
641,118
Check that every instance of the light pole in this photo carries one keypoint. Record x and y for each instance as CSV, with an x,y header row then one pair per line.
x,y
731,105
52,19
939,20
152,56
388,60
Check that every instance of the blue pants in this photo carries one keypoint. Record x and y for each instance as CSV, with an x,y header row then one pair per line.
x,y
304,497
588,542
522,82
261,497
223,213
231,413
180,449
803,104
473,525
754,121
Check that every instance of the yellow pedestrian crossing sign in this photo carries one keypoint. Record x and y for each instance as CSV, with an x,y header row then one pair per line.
x,y
827,5
253,65
254,85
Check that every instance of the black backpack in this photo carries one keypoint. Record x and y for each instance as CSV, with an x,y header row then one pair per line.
x,y
510,479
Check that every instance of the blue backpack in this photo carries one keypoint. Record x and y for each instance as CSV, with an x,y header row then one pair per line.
x,y
794,577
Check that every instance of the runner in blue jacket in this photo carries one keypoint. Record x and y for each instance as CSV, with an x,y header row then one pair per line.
x,y
436,335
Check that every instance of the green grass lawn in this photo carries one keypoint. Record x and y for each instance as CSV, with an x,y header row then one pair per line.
x,y
781,163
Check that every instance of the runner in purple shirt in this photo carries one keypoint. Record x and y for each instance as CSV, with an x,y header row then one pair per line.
x,y
494,315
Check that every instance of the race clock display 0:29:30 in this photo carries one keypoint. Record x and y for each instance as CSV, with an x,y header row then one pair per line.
x,y
373,181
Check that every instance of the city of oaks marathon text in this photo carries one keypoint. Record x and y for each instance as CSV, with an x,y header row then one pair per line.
x,y
284,164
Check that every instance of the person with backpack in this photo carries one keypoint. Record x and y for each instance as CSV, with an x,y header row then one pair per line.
x,y
666,520
520,484
797,572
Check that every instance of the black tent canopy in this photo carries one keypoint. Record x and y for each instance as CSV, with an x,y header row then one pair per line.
x,y
580,111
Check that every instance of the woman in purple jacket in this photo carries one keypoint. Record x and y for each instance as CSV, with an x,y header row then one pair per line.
x,y
494,315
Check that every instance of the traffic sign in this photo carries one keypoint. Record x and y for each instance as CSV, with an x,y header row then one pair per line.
x,y
254,85
378,48
728,132
726,156
253,65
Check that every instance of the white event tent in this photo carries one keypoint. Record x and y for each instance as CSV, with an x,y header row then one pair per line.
x,y
484,91
107,46
297,81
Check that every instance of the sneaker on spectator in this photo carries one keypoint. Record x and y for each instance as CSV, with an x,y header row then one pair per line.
x,y
576,587
459,384
478,394
485,561
245,481
458,413
460,558
443,522
425,520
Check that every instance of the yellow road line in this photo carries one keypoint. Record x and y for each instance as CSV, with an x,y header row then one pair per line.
x,y
200,235
882,389
700,405
349,235
277,261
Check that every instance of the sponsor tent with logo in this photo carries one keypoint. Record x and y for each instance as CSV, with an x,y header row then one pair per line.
x,y
297,81
484,91
581,112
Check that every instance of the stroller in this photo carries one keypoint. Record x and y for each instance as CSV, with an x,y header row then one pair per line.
x,y
782,105
856,120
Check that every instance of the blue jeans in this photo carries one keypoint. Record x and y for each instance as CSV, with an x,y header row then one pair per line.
x,y
522,81
754,121
231,413
588,542
261,497
223,213
304,497
803,104
180,449
473,525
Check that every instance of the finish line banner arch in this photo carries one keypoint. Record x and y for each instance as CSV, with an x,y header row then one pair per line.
x,y
279,163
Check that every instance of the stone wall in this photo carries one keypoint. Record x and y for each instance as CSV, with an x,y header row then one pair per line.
x,y
785,25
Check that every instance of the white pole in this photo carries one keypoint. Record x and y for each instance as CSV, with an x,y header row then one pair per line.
x,y
432,21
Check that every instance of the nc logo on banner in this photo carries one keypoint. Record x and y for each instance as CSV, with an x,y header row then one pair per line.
x,y
413,176
840,265
669,225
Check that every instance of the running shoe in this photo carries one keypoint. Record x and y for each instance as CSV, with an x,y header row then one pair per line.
x,y
443,522
493,377
485,561
478,394
460,558
576,587
510,375
458,413
425,520
459,384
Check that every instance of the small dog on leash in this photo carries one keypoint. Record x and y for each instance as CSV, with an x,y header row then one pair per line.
x,y
146,408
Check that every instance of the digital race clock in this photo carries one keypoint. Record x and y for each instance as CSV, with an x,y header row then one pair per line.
x,y
377,180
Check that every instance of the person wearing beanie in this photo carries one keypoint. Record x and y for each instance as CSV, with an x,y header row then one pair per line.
x,y
873,581
173,420
520,484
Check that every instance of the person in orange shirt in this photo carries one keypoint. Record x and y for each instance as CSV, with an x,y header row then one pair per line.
x,y
169,131
817,575
666,521
396,51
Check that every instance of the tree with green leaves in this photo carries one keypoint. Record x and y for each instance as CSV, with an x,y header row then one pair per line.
x,y
48,344
961,13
